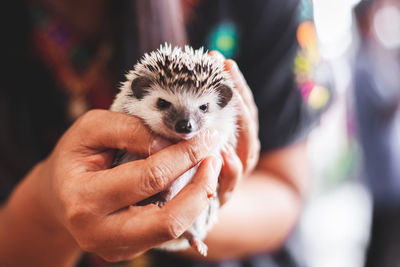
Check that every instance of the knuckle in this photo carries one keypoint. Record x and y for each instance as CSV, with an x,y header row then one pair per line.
x,y
81,218
174,227
85,239
80,210
87,120
157,179
90,115
194,154
76,215
90,240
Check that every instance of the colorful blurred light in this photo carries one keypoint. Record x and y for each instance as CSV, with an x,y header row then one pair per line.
x,y
224,38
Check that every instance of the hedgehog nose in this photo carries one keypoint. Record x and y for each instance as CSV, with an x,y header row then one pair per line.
x,y
183,126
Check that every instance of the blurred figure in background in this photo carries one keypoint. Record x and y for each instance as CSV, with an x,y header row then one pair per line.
x,y
377,101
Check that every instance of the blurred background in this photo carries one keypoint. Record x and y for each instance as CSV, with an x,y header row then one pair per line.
x,y
355,149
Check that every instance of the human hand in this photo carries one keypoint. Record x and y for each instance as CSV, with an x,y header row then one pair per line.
x,y
243,160
95,204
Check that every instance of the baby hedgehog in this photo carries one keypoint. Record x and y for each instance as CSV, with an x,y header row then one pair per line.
x,y
179,94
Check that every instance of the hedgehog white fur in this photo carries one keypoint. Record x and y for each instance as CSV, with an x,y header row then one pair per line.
x,y
178,93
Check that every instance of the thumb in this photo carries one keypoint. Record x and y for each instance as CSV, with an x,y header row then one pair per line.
x,y
104,129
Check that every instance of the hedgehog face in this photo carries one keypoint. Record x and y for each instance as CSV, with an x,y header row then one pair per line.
x,y
180,113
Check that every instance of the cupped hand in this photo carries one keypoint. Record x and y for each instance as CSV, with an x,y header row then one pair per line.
x,y
241,161
95,203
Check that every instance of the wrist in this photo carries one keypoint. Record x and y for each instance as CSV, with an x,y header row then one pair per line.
x,y
30,231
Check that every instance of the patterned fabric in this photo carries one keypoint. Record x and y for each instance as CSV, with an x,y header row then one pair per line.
x,y
306,63
82,71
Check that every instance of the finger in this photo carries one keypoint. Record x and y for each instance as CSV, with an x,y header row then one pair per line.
x,y
246,118
239,80
143,227
231,174
243,89
132,182
102,129
248,147
194,198
241,85
248,143
217,54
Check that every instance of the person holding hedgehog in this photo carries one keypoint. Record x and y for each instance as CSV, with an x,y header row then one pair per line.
x,y
71,200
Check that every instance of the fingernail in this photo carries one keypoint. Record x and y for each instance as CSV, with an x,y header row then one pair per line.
x,y
232,64
159,143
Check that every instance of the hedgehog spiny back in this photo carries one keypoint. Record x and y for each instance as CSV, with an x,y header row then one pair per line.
x,y
174,69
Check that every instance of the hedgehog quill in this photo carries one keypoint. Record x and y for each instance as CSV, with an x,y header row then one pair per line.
x,y
179,93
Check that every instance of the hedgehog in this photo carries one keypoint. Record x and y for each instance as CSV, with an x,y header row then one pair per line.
x,y
179,93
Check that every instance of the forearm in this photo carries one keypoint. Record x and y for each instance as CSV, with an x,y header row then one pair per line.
x,y
259,217
264,208
27,236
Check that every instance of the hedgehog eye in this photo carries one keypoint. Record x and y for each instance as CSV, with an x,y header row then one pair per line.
x,y
163,104
204,107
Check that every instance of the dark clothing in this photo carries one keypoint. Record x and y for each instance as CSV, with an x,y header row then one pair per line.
x,y
377,99
264,45
384,243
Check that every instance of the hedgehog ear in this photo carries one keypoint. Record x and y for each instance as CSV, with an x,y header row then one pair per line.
x,y
140,87
225,95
